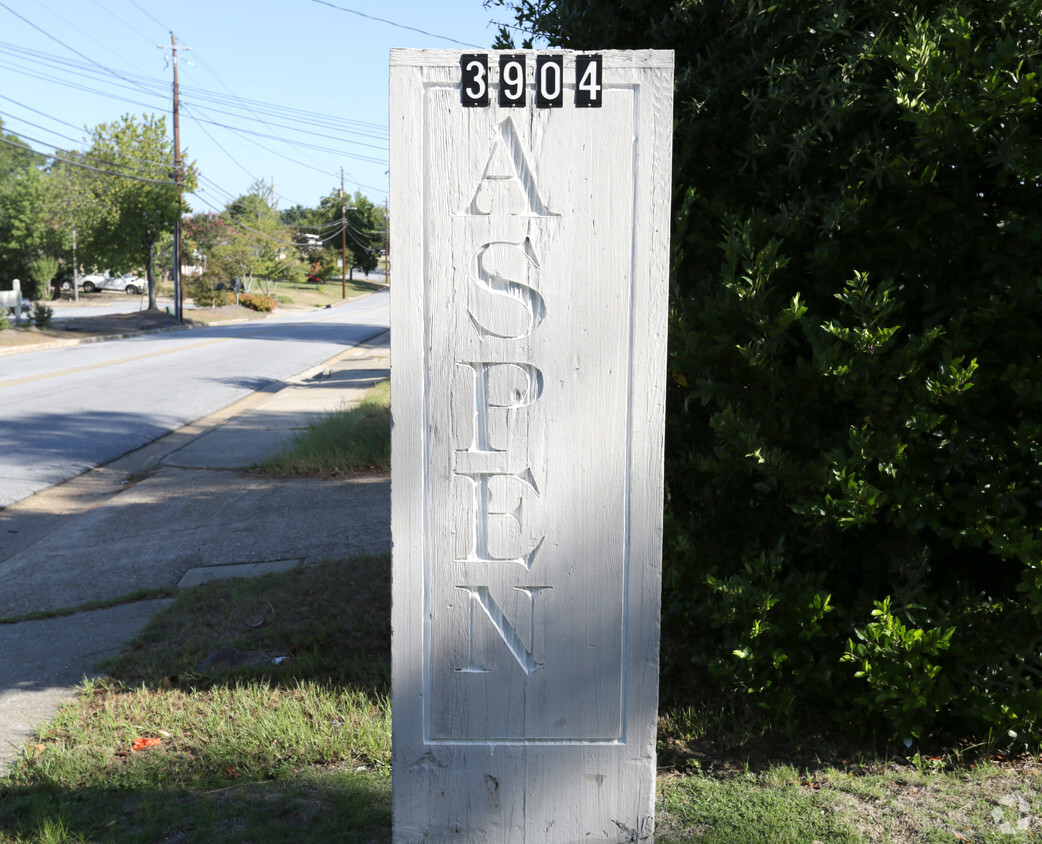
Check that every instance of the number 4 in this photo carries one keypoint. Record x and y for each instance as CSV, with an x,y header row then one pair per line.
x,y
589,81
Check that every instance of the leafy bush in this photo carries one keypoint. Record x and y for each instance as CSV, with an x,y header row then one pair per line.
x,y
208,290
257,302
41,270
854,421
42,315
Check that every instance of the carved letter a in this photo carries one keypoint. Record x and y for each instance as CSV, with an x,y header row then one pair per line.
x,y
507,184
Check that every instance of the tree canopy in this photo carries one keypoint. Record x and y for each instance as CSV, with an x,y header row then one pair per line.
x,y
23,226
129,194
854,425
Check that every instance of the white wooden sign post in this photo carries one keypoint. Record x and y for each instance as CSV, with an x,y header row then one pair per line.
x,y
530,198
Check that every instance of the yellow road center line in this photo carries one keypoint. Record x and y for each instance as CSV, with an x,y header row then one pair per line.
x,y
73,370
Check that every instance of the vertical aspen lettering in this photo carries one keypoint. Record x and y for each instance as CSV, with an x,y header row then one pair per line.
x,y
504,303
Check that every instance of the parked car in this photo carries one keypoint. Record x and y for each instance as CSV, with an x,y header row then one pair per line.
x,y
94,282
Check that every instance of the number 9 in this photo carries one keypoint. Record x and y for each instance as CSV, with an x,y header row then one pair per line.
x,y
512,81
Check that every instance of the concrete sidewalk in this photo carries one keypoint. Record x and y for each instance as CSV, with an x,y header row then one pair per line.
x,y
176,512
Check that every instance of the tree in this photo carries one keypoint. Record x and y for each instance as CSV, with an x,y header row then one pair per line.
x,y
260,246
22,226
854,426
22,219
202,233
365,231
362,225
132,196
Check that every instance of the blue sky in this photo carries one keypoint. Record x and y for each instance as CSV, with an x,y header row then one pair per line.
x,y
286,91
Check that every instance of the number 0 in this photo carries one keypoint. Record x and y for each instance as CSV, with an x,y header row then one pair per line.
x,y
549,85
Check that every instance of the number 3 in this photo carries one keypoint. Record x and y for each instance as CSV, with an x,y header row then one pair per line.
x,y
474,80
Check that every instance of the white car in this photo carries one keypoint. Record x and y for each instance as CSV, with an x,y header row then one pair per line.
x,y
109,281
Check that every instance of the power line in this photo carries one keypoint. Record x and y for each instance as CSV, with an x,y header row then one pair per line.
x,y
99,158
62,43
242,132
159,87
42,114
81,164
85,34
235,98
259,109
294,129
78,86
395,24
66,137
203,108
148,14
297,144
121,20
92,77
37,126
245,137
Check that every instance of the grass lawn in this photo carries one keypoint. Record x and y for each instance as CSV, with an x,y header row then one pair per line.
x,y
267,702
258,711
305,294
341,443
328,293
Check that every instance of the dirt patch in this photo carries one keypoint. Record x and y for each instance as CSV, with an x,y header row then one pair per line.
x,y
227,313
120,323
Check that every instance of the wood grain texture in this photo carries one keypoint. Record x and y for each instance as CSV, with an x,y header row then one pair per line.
x,y
528,320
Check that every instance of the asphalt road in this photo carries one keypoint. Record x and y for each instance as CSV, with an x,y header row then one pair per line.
x,y
63,411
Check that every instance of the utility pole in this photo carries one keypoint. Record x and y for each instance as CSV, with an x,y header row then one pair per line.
x,y
343,238
178,292
75,270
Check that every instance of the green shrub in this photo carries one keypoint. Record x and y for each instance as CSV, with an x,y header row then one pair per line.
x,y
42,315
854,416
208,290
211,298
763,623
257,302
41,270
